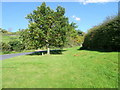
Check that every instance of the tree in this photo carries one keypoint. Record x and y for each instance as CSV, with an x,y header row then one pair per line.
x,y
46,28
3,30
74,37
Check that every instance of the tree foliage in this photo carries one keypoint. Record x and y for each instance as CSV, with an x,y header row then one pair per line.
x,y
45,28
5,46
48,28
16,45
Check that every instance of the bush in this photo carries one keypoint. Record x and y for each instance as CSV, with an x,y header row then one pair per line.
x,y
105,36
5,46
16,45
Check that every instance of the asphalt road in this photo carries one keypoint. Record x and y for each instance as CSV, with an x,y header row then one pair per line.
x,y
6,56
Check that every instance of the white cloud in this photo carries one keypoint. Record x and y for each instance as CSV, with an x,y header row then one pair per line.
x,y
76,18
73,16
97,1
82,1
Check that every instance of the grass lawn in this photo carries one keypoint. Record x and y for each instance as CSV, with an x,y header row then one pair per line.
x,y
72,69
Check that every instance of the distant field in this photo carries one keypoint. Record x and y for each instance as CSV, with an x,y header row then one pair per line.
x,y
72,69
7,38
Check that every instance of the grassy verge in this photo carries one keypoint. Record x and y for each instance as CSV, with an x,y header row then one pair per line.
x,y
72,69
12,52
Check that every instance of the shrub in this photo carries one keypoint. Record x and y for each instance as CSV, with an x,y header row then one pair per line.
x,y
5,46
16,45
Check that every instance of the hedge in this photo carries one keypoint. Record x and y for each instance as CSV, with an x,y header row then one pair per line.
x,y
105,36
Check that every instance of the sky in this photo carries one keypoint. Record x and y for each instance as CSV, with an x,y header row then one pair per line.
x,y
85,15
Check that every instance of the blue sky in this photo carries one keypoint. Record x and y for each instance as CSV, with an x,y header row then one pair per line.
x,y
85,15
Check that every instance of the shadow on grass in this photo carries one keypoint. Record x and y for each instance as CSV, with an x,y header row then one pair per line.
x,y
99,50
56,52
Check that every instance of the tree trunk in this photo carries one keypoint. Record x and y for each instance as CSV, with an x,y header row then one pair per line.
x,y
48,50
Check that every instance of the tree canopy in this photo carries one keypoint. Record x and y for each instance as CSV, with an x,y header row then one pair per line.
x,y
47,27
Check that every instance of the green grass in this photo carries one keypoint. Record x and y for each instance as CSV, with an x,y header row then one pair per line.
x,y
1,53
72,69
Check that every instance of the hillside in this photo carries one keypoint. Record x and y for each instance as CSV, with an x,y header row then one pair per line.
x,y
7,36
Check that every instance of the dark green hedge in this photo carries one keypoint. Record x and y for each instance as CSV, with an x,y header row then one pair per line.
x,y
105,36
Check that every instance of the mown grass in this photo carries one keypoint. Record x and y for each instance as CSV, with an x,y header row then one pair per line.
x,y
72,69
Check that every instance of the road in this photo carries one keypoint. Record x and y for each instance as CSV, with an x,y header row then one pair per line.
x,y
6,56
